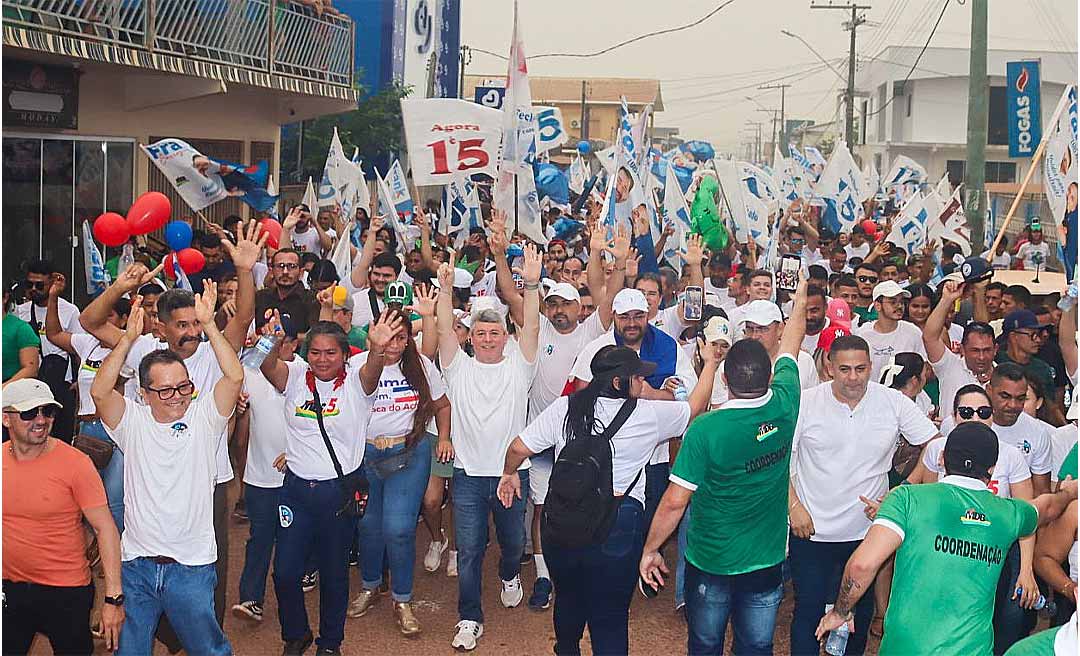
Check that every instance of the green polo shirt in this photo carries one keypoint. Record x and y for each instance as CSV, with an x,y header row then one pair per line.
x,y
956,535
1039,644
736,461
18,334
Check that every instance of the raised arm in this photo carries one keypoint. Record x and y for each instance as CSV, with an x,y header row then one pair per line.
x,y
244,254
530,326
879,544
695,253
367,254
620,250
448,344
109,402
978,299
379,335
95,318
272,367
701,396
594,274
1067,338
1051,504
53,330
326,242
795,328
425,299
504,278
878,252
935,323
287,226
325,298
426,254
227,389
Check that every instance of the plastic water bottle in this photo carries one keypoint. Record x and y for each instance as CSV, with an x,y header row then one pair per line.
x,y
127,258
836,644
254,356
1069,299
681,394
1042,603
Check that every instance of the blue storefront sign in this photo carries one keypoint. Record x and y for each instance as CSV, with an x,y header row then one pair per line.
x,y
490,96
1022,96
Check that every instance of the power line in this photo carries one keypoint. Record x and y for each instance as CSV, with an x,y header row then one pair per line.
x,y
754,85
916,62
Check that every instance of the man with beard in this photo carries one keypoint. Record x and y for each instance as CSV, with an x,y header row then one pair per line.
x,y
370,276
288,295
183,335
561,339
55,368
867,276
816,304
889,334
843,448
973,364
763,323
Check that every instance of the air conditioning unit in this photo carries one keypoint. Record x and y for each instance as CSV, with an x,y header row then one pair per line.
x,y
575,124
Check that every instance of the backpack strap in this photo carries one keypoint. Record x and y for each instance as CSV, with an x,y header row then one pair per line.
x,y
619,419
326,438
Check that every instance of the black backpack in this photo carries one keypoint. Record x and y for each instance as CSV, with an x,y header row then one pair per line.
x,y
580,507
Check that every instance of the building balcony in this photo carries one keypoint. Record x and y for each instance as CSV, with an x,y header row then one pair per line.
x,y
276,44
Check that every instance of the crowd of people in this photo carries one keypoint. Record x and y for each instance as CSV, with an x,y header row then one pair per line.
x,y
893,440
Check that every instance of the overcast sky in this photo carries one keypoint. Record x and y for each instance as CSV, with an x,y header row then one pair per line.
x,y
707,71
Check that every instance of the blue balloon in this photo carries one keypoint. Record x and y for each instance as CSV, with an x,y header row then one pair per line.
x,y
584,147
178,235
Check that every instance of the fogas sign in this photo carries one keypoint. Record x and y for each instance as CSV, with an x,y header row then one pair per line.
x,y
1022,99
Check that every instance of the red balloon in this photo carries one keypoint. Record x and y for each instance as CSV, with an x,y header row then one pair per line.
x,y
150,212
191,261
274,228
869,227
111,229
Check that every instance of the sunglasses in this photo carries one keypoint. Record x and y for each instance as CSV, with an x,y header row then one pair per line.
x,y
286,266
40,284
166,393
967,412
47,411
866,279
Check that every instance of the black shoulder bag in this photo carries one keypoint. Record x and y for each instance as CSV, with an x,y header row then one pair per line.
x,y
354,487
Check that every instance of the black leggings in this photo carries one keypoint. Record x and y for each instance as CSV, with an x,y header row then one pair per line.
x,y
61,614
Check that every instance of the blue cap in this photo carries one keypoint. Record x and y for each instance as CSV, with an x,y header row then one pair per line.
x,y
1018,320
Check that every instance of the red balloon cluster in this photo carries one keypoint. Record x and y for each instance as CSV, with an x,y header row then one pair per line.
x,y
274,228
870,228
149,213
191,261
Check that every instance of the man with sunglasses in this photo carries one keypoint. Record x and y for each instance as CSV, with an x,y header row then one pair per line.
x,y
1022,335
49,488
170,444
867,276
973,364
288,295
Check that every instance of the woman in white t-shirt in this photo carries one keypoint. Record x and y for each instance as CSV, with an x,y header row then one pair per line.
x,y
91,353
326,392
397,460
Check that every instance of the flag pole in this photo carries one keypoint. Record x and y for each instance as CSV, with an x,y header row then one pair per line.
x,y
515,201
1027,178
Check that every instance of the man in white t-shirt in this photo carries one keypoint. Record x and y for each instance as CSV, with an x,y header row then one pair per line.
x,y
1034,253
817,304
764,323
1008,391
759,285
842,451
488,398
858,246
889,334
170,442
561,339
975,362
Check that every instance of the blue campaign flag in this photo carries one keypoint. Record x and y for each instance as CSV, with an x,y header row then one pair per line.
x,y
551,182
701,151
1022,93
248,183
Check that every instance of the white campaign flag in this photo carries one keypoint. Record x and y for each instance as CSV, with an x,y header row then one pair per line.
x,y
676,211
311,199
1059,160
951,224
904,170
515,187
184,167
338,174
871,182
388,210
757,219
760,184
909,226
449,138
361,193
607,159
578,174
97,278
839,186
550,131
944,187
727,175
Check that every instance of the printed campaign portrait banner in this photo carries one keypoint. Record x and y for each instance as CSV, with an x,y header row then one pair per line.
x,y
449,138
1059,161
1022,94
200,186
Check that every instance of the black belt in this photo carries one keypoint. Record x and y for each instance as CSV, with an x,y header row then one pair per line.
x,y
161,560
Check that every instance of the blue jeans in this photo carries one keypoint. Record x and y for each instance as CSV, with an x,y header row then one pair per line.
x,y
389,525
474,499
185,594
816,570
1011,622
594,585
263,523
113,474
309,524
656,482
750,600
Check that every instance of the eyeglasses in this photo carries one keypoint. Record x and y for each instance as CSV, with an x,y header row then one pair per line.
x,y
866,279
166,393
286,266
40,284
967,412
47,411
1033,334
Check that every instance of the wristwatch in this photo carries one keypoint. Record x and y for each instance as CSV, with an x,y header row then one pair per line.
x,y
118,600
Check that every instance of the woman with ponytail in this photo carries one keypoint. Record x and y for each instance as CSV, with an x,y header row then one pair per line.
x,y
906,373
397,460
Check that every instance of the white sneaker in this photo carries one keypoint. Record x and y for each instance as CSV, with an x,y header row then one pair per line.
x,y
451,564
467,635
433,557
512,593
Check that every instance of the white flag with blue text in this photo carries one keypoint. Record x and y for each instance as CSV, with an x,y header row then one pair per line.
x,y
909,226
97,278
903,171
839,186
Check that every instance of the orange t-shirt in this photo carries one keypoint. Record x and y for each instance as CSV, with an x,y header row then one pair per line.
x,y
44,540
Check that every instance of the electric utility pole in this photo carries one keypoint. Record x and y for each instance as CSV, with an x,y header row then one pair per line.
x,y
774,119
849,95
978,85
783,125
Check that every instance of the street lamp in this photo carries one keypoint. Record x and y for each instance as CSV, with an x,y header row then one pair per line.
x,y
816,54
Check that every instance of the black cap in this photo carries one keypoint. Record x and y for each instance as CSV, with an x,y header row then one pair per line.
x,y
976,269
971,450
615,361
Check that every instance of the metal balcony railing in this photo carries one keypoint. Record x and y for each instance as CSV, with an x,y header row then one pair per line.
x,y
298,42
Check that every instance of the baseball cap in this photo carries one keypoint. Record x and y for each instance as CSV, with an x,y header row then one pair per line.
x,y
889,289
629,300
27,394
838,313
762,313
612,361
398,292
343,300
563,290
830,334
976,269
718,329
971,449
1018,319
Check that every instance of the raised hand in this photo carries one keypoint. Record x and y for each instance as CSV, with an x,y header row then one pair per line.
x,y
135,276
249,244
633,263
708,352
136,318
57,285
424,300
446,274
382,331
497,241
951,291
533,265
292,218
206,302
695,252
377,223
620,247
273,323
326,297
